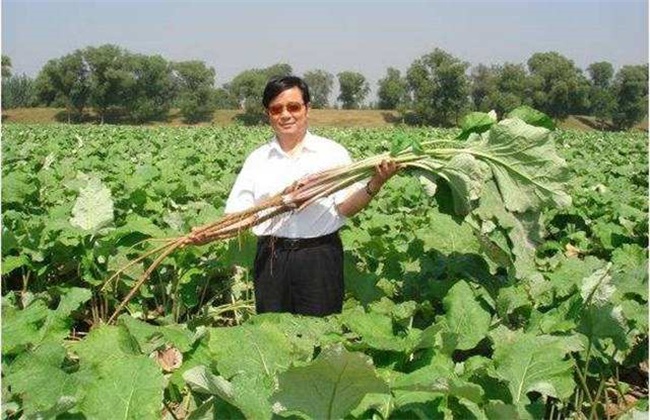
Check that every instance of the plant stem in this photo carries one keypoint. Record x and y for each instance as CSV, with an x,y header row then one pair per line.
x,y
583,382
601,385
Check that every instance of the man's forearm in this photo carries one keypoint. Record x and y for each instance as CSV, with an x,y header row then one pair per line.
x,y
358,200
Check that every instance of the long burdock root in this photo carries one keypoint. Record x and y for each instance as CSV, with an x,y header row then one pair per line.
x,y
293,198
227,227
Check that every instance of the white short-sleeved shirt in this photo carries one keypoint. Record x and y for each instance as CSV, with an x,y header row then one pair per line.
x,y
268,170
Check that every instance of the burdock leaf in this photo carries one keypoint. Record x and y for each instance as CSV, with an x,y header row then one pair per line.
x,y
93,209
38,378
524,164
329,387
201,380
465,317
399,142
466,176
476,122
130,389
532,116
532,363
119,381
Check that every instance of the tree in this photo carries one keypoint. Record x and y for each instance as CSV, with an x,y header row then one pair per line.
x,y
601,98
248,86
439,88
512,85
601,74
223,100
109,77
247,89
194,82
353,89
320,85
150,88
278,70
557,86
66,81
630,89
6,66
483,87
393,90
18,92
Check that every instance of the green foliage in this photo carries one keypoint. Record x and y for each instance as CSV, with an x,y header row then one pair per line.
x,y
601,98
66,80
353,89
532,363
108,77
501,88
6,66
392,91
18,92
432,326
247,88
194,82
93,209
532,116
630,89
476,122
601,74
438,87
150,89
558,87
320,85
329,387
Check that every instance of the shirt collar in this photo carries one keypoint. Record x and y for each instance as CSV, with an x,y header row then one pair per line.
x,y
309,144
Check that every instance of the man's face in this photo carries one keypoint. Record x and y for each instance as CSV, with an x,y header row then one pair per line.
x,y
288,113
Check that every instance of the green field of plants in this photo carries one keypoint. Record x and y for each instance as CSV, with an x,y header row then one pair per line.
x,y
441,320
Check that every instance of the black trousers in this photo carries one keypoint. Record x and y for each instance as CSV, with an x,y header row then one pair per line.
x,y
301,277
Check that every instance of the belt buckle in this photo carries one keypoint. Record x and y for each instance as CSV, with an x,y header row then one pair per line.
x,y
292,243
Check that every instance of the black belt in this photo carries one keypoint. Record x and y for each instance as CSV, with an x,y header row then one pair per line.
x,y
279,242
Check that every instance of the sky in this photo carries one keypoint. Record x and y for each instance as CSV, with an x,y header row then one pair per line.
x,y
358,35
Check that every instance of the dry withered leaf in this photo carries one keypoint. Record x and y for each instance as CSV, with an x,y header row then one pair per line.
x,y
571,251
169,358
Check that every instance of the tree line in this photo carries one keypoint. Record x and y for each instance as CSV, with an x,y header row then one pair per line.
x,y
436,89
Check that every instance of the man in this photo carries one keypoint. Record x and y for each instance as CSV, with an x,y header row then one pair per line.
x,y
299,262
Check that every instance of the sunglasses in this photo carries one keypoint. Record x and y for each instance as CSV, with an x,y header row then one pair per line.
x,y
292,108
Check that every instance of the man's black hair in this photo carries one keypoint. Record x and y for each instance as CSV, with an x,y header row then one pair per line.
x,y
277,85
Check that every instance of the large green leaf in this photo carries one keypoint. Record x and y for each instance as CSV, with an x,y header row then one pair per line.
x,y
36,324
201,380
21,327
129,389
249,356
532,363
17,187
567,276
601,317
151,337
118,381
58,323
514,235
106,345
93,209
476,122
465,317
376,331
329,387
260,350
525,165
532,117
36,376
466,176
